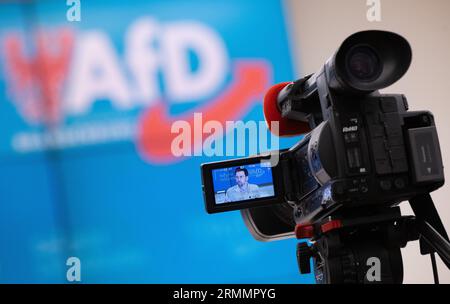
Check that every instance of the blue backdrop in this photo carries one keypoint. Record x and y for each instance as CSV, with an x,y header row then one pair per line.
x,y
77,176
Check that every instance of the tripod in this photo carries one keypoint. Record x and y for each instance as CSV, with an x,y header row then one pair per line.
x,y
363,246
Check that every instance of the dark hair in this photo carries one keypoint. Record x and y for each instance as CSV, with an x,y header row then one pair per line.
x,y
241,169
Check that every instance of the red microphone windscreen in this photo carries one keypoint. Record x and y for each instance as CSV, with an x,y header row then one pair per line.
x,y
287,127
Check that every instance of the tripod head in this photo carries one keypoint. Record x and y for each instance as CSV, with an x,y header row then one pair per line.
x,y
347,247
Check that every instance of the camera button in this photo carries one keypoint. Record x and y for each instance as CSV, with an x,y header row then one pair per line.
x,y
364,189
399,183
386,185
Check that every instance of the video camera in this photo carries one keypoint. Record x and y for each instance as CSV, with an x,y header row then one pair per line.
x,y
341,184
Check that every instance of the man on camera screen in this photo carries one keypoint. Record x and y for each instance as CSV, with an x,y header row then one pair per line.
x,y
242,190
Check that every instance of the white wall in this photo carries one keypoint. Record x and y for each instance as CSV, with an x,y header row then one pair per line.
x,y
317,28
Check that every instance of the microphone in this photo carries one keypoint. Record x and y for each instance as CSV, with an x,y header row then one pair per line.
x,y
287,127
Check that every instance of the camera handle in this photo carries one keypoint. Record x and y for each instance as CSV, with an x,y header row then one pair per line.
x,y
343,247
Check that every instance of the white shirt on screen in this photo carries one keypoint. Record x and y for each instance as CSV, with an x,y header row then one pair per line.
x,y
236,193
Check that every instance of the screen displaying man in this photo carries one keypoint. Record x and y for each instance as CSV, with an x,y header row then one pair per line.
x,y
243,190
242,183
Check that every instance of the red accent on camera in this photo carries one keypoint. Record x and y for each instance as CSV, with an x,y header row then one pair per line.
x,y
304,231
331,225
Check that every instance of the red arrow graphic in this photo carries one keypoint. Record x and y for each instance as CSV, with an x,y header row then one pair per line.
x,y
250,80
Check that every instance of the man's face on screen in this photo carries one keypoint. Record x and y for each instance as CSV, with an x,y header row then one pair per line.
x,y
241,179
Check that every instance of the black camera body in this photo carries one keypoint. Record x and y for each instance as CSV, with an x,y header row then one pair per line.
x,y
341,184
365,149
368,151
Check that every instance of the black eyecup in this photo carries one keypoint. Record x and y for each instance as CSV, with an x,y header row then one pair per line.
x,y
394,54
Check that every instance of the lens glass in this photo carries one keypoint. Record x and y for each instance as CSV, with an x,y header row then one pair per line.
x,y
363,64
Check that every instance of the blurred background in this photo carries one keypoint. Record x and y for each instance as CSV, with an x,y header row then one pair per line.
x,y
87,99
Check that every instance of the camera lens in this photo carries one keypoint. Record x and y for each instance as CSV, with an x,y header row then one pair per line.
x,y
363,63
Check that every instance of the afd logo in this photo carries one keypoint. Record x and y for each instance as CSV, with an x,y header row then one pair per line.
x,y
66,72
258,172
